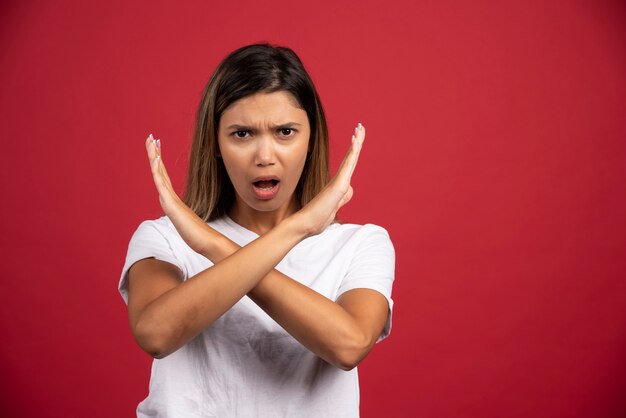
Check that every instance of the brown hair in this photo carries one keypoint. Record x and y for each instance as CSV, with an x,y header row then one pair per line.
x,y
246,71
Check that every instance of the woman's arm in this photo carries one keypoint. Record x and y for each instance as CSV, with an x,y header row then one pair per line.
x,y
341,333
165,312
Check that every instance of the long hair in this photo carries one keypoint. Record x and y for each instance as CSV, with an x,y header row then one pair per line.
x,y
248,70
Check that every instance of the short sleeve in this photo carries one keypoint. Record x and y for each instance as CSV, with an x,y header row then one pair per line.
x,y
150,240
372,267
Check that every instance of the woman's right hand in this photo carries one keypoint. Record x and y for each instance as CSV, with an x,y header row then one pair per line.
x,y
193,230
320,212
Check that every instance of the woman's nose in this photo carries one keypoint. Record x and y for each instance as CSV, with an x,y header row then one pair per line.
x,y
265,151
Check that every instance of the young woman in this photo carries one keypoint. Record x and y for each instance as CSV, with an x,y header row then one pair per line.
x,y
252,299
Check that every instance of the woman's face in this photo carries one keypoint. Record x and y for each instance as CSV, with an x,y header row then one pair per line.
x,y
263,140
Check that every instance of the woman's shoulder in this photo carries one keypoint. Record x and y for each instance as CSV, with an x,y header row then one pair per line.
x,y
161,225
159,222
361,229
349,233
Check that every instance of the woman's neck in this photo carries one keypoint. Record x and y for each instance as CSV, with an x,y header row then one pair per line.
x,y
260,222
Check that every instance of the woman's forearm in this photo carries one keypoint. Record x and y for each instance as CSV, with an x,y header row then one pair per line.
x,y
320,324
181,313
317,322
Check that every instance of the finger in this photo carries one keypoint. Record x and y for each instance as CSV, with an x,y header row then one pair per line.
x,y
157,146
344,174
153,147
162,168
359,138
150,147
348,159
154,150
159,173
163,177
155,160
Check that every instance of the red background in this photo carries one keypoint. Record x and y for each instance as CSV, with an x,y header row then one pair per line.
x,y
494,156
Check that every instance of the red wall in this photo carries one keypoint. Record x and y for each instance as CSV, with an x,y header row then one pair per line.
x,y
495,156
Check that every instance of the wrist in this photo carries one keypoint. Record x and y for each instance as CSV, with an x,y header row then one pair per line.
x,y
295,226
217,246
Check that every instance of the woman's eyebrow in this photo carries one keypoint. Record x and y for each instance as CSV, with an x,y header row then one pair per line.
x,y
249,128
287,125
239,127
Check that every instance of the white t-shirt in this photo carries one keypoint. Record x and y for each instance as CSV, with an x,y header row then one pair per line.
x,y
245,364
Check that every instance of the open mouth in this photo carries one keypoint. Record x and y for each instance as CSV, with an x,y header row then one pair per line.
x,y
265,184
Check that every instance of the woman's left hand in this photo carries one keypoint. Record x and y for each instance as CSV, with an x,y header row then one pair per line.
x,y
193,230
320,212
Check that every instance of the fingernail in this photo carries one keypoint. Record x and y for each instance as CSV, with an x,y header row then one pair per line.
x,y
360,125
151,137
158,143
353,138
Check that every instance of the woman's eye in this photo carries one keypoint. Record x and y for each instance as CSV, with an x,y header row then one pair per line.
x,y
286,131
241,134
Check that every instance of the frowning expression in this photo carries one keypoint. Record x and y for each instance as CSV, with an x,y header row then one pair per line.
x,y
263,140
